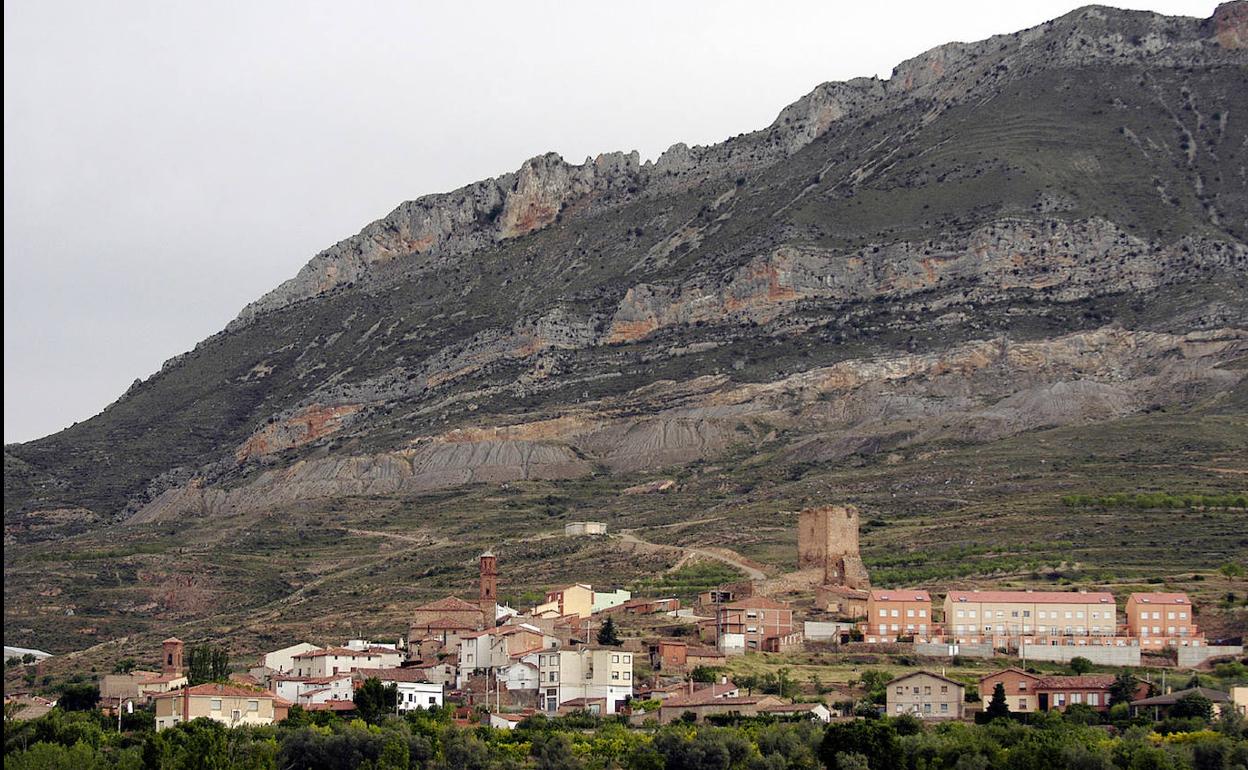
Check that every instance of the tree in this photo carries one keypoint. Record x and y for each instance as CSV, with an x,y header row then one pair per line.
x,y
373,700
607,635
997,707
874,739
1192,705
1080,665
705,674
79,697
28,658
1123,689
1231,570
207,663
124,666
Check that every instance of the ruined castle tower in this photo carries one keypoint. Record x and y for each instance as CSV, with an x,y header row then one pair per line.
x,y
488,598
827,538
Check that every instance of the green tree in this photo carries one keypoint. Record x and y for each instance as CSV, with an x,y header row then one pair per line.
x,y
1080,665
373,700
207,663
1123,689
124,666
608,635
874,739
1192,705
997,707
79,697
1231,570
28,658
705,674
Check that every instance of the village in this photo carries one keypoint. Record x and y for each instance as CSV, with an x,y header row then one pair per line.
x,y
651,660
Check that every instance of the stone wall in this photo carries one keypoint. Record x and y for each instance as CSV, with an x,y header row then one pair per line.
x,y
1100,654
1190,657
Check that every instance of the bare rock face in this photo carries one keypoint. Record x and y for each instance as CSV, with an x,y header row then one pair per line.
x,y
307,425
977,391
1229,25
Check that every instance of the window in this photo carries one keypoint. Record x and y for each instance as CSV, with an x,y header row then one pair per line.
x,y
216,704
615,675
1000,613
900,690
1013,613
944,708
922,613
1026,613
253,705
927,708
628,658
1094,699
909,613
895,613
433,701
615,658
944,689
1156,616
884,613
1022,704
961,613
1068,614
927,689
628,675
971,613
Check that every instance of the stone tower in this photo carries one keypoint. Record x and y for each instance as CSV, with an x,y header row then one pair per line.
x,y
171,656
827,538
488,598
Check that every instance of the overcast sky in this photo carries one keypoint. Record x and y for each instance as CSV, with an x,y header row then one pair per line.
x,y
167,162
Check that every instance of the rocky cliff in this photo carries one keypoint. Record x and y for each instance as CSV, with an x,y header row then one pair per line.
x,y
1042,228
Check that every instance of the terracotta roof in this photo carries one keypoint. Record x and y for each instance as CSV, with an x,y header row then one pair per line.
x,y
216,688
757,603
854,593
793,707
1160,598
1169,699
706,699
161,678
704,652
928,673
331,705
529,651
1087,681
446,624
1033,597
172,639
410,674
1011,670
900,595
450,603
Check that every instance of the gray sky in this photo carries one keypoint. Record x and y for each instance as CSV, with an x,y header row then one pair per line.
x,y
167,162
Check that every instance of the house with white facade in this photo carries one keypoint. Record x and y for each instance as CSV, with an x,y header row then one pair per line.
x,y
415,692
309,690
585,674
340,660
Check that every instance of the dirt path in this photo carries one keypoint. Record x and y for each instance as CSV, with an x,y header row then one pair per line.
x,y
725,555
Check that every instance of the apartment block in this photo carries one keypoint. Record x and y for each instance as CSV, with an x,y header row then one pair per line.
x,y
1011,618
1160,620
1021,689
893,613
926,695
744,625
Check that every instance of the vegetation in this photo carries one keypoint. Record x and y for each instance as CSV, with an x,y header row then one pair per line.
x,y
1157,500
429,740
207,663
608,634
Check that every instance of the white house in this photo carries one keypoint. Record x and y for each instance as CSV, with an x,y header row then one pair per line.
x,y
340,660
307,690
279,662
414,691
566,675
605,600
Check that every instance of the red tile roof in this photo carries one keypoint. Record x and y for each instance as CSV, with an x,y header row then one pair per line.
x,y
410,674
1085,682
1159,598
331,705
900,595
450,603
1033,597
216,689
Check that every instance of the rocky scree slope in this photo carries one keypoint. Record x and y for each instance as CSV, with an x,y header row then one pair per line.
x,y
1039,228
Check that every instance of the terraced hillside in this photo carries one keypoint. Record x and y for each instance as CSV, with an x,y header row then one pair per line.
x,y
1016,269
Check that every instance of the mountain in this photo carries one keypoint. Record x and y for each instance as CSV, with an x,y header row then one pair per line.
x,y
1044,233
